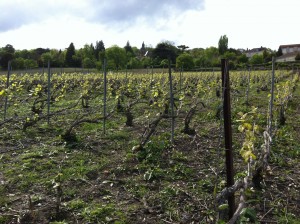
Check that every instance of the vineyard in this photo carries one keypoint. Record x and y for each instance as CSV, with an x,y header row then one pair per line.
x,y
147,148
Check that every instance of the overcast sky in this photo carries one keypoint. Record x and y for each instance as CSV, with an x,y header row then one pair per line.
x,y
29,24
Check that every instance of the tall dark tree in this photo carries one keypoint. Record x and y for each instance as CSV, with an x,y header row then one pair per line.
x,y
164,50
128,48
93,49
23,54
37,53
99,48
70,62
267,55
182,47
279,52
9,49
223,44
143,50
6,55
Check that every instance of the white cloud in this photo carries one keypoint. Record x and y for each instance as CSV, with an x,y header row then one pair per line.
x,y
57,23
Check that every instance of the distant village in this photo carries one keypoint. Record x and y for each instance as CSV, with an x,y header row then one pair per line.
x,y
91,56
287,53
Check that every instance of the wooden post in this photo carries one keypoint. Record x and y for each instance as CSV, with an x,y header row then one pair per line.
x,y
228,134
272,97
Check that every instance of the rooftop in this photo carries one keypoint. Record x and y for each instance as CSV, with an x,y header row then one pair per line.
x,y
289,45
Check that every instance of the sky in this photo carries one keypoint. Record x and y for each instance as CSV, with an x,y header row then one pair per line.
x,y
54,24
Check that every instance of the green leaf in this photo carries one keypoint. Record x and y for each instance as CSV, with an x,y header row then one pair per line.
x,y
148,175
249,213
223,207
241,128
247,126
2,92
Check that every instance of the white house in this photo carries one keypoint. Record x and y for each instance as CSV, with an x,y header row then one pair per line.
x,y
291,48
254,51
289,52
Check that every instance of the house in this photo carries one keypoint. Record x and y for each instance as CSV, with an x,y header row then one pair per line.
x,y
289,52
241,50
292,48
254,51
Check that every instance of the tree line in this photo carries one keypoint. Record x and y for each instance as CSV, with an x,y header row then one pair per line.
x,y
92,56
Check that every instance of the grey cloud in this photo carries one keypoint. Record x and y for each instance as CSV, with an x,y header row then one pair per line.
x,y
13,16
16,13
127,11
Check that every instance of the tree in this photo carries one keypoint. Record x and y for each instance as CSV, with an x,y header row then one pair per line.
x,y
146,62
46,57
143,50
30,63
267,55
37,53
223,44
70,62
182,47
164,63
212,57
6,55
164,50
297,58
185,60
257,59
9,49
88,51
134,63
242,59
100,50
87,56
229,55
18,63
88,63
128,48
23,54
116,57
279,52
205,57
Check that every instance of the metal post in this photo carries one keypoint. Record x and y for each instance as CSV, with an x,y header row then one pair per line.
x,y
172,103
49,94
180,78
228,134
104,96
7,85
248,87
